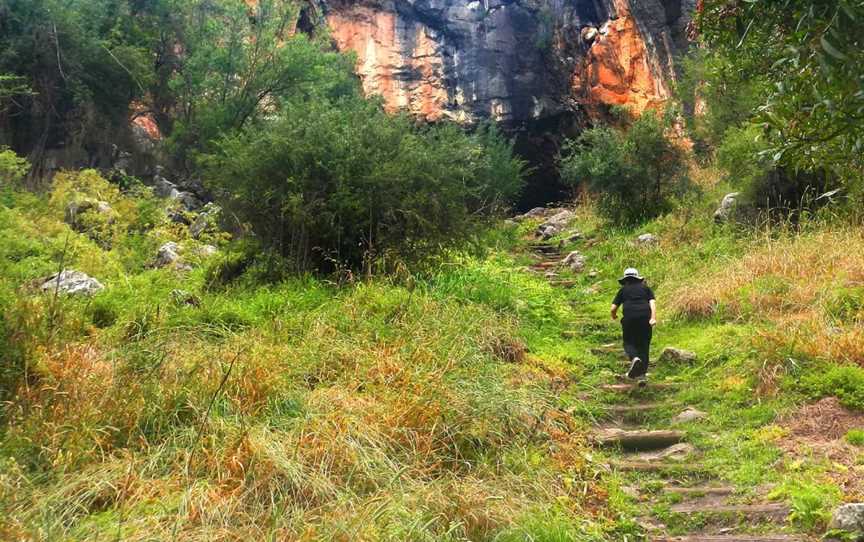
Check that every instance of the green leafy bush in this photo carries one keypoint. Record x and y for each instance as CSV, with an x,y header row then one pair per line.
x,y
637,172
332,183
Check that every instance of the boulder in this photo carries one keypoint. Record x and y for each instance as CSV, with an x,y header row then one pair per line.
x,y
206,220
677,355
689,415
190,201
575,236
538,212
207,251
77,208
555,225
164,188
168,254
849,518
646,239
727,206
72,282
575,261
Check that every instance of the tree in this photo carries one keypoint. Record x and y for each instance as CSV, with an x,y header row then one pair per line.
x,y
341,181
811,54
637,171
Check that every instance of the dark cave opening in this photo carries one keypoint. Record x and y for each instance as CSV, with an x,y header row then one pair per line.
x,y
539,142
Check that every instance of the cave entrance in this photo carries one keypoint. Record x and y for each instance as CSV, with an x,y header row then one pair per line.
x,y
538,143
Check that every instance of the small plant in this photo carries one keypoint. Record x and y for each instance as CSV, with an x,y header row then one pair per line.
x,y
13,168
855,437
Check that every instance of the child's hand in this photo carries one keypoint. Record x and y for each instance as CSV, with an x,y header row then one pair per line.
x,y
653,321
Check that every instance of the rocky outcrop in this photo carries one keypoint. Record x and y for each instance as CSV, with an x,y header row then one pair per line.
x,y
511,60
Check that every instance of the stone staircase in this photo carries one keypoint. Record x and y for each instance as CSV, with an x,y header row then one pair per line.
x,y
705,509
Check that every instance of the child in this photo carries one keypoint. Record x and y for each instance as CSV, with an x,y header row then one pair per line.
x,y
640,317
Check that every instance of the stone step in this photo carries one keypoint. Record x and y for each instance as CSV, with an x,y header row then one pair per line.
x,y
638,440
658,466
773,510
700,491
626,388
639,408
545,265
731,538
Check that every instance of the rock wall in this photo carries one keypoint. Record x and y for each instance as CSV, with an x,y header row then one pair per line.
x,y
512,61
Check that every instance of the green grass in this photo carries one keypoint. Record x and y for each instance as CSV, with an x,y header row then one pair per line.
x,y
445,404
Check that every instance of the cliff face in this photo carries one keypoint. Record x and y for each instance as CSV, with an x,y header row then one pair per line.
x,y
513,61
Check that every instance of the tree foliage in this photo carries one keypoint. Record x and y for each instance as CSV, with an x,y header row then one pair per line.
x,y
343,182
810,56
636,172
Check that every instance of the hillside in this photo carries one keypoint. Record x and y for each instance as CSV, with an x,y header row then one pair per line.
x,y
351,270
456,403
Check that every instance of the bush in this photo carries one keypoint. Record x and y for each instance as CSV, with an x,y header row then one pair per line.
x,y
328,183
13,168
637,172
846,382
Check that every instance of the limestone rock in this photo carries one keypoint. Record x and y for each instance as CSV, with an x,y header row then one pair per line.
x,y
73,283
539,212
647,239
575,261
727,206
677,355
75,209
849,518
555,225
168,254
163,188
689,415
207,251
206,220
510,61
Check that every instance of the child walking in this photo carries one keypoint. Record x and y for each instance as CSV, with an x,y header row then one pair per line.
x,y
637,324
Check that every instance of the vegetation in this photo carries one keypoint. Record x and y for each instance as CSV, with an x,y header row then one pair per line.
x,y
347,183
637,172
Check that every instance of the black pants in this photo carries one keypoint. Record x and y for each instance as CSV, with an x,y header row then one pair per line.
x,y
637,340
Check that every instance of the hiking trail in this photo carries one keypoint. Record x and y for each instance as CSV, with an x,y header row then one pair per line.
x,y
681,500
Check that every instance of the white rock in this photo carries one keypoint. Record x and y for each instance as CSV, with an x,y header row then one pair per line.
x,y
849,518
677,355
575,261
646,239
72,282
168,254
689,415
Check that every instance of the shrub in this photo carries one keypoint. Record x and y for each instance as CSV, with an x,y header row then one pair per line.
x,y
846,382
637,172
13,168
332,183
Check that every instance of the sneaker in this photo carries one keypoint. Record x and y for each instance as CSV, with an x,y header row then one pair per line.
x,y
635,367
643,381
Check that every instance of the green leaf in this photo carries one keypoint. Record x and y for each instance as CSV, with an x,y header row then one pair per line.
x,y
831,50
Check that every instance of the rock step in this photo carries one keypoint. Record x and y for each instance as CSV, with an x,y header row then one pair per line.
x,y
624,388
638,440
778,510
658,466
545,265
638,408
699,491
731,538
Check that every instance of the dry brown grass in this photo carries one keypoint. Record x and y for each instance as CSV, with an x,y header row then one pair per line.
x,y
778,277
